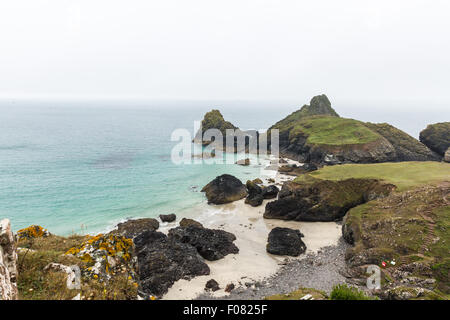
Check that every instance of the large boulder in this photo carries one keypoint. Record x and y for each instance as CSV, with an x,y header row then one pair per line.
x,y
211,244
8,260
168,217
285,241
162,261
132,228
436,137
270,192
255,197
312,199
224,189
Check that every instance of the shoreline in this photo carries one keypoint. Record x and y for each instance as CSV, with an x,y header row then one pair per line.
x,y
252,264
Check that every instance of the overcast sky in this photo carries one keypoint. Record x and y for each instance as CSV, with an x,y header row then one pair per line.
x,y
227,49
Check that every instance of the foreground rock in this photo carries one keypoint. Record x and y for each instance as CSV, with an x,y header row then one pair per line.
x,y
162,261
316,134
8,260
211,244
285,241
312,199
168,217
436,137
132,228
224,189
104,255
212,285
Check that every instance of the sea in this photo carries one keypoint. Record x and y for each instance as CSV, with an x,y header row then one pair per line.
x,y
81,167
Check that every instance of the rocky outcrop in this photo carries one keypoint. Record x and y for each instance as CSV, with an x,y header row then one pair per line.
x,y
257,194
211,244
168,217
316,134
132,228
224,189
8,260
323,200
436,137
285,241
406,147
447,155
104,255
162,261
405,234
241,141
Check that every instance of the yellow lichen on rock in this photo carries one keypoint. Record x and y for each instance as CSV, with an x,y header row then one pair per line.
x,y
104,254
32,232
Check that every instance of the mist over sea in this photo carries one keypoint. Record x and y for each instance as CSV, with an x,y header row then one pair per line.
x,y
81,167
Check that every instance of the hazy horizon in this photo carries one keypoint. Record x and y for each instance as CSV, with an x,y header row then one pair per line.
x,y
265,50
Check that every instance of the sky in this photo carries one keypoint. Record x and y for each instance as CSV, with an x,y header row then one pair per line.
x,y
228,49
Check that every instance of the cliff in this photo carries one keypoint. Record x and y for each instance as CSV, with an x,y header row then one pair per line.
x,y
8,259
317,134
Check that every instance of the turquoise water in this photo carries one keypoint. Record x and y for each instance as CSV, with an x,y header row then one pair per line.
x,y
82,167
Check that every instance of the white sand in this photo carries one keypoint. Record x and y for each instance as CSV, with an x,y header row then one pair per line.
x,y
252,263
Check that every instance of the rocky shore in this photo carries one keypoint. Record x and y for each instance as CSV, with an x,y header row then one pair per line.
x,y
367,194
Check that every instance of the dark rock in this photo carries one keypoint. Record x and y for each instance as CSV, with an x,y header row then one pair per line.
x,y
323,200
255,197
211,244
436,137
255,200
212,285
168,217
229,287
224,189
185,222
270,192
285,241
132,228
162,261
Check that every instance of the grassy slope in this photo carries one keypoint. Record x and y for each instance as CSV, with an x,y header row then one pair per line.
x,y
404,175
327,130
36,284
394,227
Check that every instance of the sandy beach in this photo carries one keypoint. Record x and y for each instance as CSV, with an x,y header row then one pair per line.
x,y
252,263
